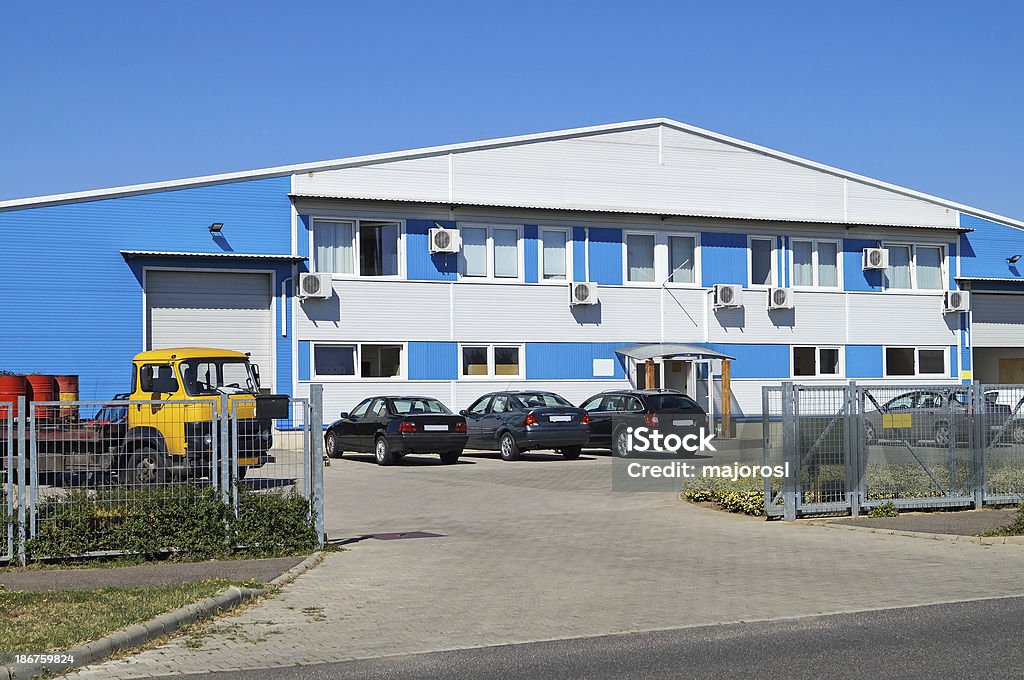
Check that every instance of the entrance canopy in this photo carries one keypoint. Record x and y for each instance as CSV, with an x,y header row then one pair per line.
x,y
669,351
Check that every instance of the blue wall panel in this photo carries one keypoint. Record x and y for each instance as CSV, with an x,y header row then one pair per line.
x,y
755,360
854,276
304,359
303,227
863,361
421,265
952,361
983,252
570,360
530,256
433,361
606,256
90,320
723,258
579,254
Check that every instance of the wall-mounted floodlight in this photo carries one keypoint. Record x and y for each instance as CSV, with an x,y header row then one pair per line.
x,y
1013,259
216,227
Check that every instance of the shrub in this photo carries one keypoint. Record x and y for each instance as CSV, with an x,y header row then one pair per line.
x,y
735,495
886,509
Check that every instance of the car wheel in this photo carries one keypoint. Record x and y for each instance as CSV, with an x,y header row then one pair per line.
x,y
509,448
450,457
382,452
145,467
331,446
1017,432
621,444
572,452
869,433
942,434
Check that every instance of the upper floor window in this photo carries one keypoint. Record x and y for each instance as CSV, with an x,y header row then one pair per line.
x,y
815,263
554,255
640,258
915,267
491,252
762,261
661,257
682,257
356,247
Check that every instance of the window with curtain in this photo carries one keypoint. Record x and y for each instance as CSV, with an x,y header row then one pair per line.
x,y
640,257
928,261
474,251
506,253
828,264
761,269
803,264
681,257
898,274
334,247
815,263
554,255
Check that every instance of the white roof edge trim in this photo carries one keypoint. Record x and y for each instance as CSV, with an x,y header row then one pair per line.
x,y
353,161
182,253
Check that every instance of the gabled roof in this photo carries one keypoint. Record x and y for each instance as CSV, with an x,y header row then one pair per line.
x,y
373,159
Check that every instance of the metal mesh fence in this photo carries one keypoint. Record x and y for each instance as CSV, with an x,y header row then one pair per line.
x,y
8,493
771,407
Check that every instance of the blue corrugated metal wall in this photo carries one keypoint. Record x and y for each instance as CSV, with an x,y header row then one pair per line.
x,y
421,265
530,256
755,360
863,361
854,276
433,361
579,254
723,258
606,256
570,360
88,319
304,359
983,252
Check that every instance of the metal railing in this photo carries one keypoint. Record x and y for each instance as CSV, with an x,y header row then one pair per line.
x,y
852,447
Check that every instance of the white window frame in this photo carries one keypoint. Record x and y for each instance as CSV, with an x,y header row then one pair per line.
x,y
818,375
625,259
815,285
568,256
490,277
668,262
917,362
490,361
773,274
356,221
403,370
944,268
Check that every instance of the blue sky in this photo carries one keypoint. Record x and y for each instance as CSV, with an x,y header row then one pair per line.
x,y
923,94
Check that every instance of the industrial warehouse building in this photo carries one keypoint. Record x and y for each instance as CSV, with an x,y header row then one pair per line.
x,y
450,271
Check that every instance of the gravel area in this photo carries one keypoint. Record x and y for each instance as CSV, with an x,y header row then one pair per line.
x,y
961,523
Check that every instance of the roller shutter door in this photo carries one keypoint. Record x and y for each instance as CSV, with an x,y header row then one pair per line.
x,y
211,309
997,320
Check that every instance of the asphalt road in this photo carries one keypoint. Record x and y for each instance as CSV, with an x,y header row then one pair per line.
x,y
967,639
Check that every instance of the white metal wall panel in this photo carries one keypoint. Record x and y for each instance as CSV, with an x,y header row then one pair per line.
x,y
997,320
362,309
416,179
895,319
815,318
870,204
684,314
226,310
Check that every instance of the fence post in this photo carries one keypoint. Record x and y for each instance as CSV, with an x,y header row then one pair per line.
x,y
979,443
791,484
854,437
224,451
766,456
22,499
315,460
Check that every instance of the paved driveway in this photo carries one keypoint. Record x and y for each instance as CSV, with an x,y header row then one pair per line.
x,y
542,549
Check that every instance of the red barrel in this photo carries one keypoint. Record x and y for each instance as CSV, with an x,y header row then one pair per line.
x,y
42,388
11,387
67,390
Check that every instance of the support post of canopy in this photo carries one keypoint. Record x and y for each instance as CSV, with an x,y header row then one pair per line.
x,y
726,401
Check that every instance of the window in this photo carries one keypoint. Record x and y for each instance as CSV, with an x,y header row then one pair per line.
x,y
592,404
815,263
412,406
554,257
809,362
915,267
213,376
500,404
914,361
682,253
158,378
373,361
541,400
491,252
640,258
480,407
762,262
338,245
500,361
359,410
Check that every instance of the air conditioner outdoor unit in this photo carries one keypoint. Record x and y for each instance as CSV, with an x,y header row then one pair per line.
x,y
876,258
956,301
582,294
315,286
444,240
727,295
780,298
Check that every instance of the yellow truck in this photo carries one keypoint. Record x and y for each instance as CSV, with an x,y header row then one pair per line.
x,y
176,440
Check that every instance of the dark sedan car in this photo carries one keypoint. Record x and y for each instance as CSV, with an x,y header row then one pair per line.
x,y
931,415
514,422
667,411
391,427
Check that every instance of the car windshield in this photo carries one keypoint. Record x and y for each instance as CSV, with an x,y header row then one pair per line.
x,y
671,402
217,376
540,399
412,406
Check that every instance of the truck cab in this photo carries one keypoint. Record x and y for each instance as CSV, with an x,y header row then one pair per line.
x,y
178,438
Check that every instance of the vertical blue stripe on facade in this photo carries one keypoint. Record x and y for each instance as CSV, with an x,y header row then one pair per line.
x,y
863,361
755,360
303,228
723,258
283,336
421,264
780,268
304,359
951,265
570,360
433,361
854,276
530,256
579,254
606,256
965,352
953,362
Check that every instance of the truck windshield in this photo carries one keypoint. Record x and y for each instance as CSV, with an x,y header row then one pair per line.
x,y
217,376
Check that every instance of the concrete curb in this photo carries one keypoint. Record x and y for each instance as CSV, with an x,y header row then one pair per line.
x,y
141,633
949,538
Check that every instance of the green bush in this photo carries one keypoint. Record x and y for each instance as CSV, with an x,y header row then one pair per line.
x,y
886,509
734,495
189,521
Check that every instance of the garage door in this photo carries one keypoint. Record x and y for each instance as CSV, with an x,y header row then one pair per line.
x,y
997,320
211,309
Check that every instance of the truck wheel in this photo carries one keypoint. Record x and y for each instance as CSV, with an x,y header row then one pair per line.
x,y
572,452
509,448
145,468
382,452
331,446
450,457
